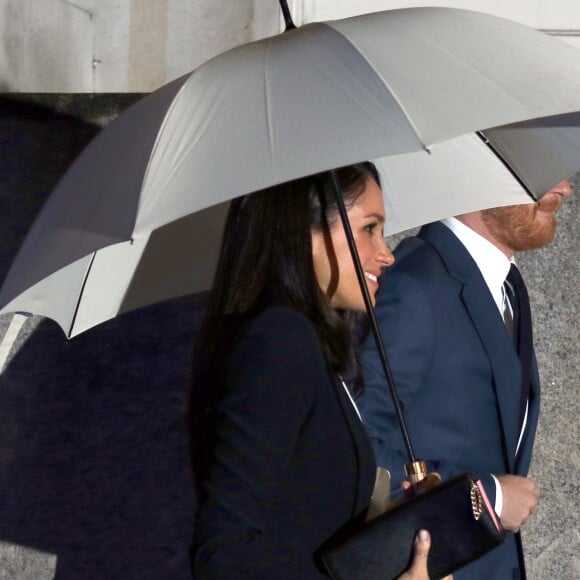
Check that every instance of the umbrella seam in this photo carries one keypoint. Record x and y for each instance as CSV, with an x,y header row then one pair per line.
x,y
454,57
470,66
384,82
271,137
162,126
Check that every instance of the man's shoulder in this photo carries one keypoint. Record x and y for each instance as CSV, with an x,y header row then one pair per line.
x,y
434,251
415,257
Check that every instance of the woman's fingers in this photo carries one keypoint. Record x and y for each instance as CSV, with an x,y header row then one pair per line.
x,y
430,481
418,569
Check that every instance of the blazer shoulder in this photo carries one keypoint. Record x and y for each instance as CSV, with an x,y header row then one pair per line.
x,y
278,360
434,254
279,335
416,258
281,321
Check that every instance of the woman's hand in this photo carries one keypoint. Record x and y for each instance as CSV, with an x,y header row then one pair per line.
x,y
418,569
430,481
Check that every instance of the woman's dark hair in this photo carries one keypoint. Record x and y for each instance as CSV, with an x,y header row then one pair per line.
x,y
266,258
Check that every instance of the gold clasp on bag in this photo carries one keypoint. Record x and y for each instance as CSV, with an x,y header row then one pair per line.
x,y
476,501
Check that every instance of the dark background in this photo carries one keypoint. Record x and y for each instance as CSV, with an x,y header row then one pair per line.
x,y
93,458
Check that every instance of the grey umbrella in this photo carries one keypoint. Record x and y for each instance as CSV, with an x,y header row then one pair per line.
x,y
408,87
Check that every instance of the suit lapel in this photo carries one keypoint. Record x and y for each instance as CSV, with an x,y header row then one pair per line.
x,y
502,358
524,456
496,342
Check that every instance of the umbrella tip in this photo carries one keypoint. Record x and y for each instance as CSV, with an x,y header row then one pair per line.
x,y
287,15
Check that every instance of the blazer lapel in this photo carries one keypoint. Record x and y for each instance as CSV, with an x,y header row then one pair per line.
x,y
361,445
488,323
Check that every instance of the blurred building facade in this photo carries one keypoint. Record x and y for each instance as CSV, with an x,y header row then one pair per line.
x,y
120,46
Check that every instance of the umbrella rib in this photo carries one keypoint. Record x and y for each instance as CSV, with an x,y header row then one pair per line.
x,y
82,290
495,151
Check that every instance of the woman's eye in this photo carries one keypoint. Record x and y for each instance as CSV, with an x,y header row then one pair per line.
x,y
370,228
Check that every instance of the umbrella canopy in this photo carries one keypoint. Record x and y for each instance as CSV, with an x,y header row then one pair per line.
x,y
395,83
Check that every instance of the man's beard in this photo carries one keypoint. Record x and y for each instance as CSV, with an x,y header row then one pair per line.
x,y
524,227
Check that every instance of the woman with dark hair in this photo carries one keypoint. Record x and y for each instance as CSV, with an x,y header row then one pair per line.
x,y
282,458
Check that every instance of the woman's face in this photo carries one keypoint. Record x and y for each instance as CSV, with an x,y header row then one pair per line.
x,y
333,263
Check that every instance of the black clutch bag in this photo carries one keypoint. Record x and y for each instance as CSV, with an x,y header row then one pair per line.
x,y
457,513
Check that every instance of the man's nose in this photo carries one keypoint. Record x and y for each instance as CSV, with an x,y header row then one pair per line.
x,y
564,188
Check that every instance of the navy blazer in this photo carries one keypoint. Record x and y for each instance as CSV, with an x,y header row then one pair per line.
x,y
457,373
292,463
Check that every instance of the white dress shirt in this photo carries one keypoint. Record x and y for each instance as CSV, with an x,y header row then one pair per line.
x,y
493,264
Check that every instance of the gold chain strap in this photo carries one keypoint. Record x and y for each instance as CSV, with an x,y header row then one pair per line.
x,y
476,501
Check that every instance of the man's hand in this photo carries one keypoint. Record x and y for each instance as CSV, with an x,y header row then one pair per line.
x,y
520,500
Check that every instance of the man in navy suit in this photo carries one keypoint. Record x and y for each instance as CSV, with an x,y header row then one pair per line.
x,y
442,311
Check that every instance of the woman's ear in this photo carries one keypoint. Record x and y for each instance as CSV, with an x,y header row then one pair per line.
x,y
317,244
325,261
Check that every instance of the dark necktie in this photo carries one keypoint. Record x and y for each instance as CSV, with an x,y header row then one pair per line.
x,y
521,331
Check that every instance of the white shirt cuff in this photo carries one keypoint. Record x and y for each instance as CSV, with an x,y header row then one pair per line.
x,y
498,507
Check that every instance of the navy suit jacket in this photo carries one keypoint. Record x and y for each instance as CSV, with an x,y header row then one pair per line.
x,y
457,373
292,463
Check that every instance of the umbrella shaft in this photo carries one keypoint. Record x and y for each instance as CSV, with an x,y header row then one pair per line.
x,y
287,16
372,319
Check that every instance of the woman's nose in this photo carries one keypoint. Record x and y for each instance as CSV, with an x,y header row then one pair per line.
x,y
385,256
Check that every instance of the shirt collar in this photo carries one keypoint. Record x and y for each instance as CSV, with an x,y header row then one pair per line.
x,y
493,264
